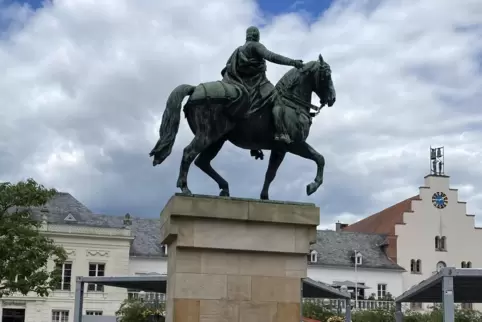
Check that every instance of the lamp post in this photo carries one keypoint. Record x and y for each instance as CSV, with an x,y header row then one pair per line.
x,y
356,279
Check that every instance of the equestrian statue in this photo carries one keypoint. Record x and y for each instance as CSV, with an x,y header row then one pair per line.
x,y
247,110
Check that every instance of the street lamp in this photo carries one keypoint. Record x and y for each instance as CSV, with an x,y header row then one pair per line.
x,y
356,279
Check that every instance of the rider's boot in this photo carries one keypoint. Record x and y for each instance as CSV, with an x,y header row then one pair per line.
x,y
281,134
283,137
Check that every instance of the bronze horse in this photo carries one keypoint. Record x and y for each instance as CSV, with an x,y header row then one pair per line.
x,y
212,125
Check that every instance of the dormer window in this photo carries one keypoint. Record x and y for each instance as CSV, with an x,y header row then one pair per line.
x,y
70,218
358,258
313,256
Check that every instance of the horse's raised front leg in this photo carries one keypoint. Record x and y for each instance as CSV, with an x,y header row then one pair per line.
x,y
305,150
275,159
203,161
197,145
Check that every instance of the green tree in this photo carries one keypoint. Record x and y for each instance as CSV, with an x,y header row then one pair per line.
x,y
24,250
137,310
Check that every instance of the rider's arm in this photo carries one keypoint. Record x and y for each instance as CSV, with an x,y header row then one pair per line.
x,y
261,50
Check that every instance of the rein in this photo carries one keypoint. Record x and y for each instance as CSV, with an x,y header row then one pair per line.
x,y
283,92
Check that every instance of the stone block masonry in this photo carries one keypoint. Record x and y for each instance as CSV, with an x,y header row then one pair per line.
x,y
236,260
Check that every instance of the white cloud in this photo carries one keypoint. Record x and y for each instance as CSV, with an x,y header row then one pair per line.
x,y
84,84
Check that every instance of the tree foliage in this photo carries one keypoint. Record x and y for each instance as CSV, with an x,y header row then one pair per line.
x,y
136,310
24,250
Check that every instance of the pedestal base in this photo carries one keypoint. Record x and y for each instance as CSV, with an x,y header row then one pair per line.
x,y
236,260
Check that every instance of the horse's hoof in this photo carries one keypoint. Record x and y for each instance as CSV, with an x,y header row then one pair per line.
x,y
264,197
186,191
224,193
311,188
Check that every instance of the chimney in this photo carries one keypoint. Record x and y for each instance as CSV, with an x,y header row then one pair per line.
x,y
340,226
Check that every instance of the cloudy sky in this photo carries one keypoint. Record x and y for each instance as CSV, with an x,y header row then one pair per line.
x,y
84,83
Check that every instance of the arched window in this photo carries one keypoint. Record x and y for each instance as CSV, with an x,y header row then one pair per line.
x,y
440,265
314,256
463,265
418,266
469,264
443,243
412,266
437,242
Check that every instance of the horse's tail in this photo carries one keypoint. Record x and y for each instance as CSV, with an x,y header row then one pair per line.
x,y
170,123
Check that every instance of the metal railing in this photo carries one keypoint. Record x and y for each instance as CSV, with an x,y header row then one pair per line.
x,y
337,305
340,305
150,297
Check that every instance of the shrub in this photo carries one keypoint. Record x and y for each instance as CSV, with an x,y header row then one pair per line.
x,y
336,318
313,310
377,315
135,310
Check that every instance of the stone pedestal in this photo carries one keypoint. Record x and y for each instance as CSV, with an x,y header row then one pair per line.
x,y
236,260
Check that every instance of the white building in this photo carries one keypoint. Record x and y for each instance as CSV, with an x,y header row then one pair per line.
x,y
114,246
333,258
426,232
94,249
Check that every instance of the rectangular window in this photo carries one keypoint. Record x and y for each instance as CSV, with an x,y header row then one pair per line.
x,y
96,269
382,290
93,312
60,316
358,259
66,276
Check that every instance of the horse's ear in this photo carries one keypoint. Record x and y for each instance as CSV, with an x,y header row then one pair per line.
x,y
320,58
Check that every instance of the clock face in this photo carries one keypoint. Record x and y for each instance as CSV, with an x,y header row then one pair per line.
x,y
440,200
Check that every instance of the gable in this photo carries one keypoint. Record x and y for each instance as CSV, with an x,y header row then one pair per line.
x,y
384,221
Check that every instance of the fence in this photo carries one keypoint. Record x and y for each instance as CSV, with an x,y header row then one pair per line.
x,y
338,305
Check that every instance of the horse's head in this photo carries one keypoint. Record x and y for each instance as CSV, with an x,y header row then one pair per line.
x,y
323,84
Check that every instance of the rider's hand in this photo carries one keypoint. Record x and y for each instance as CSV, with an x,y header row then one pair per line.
x,y
298,63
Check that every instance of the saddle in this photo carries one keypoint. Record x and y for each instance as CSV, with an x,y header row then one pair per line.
x,y
231,97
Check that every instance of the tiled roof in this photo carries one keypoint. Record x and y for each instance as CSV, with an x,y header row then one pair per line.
x,y
146,231
337,248
334,248
383,222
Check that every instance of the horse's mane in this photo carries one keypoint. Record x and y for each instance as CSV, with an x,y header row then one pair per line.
x,y
293,75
